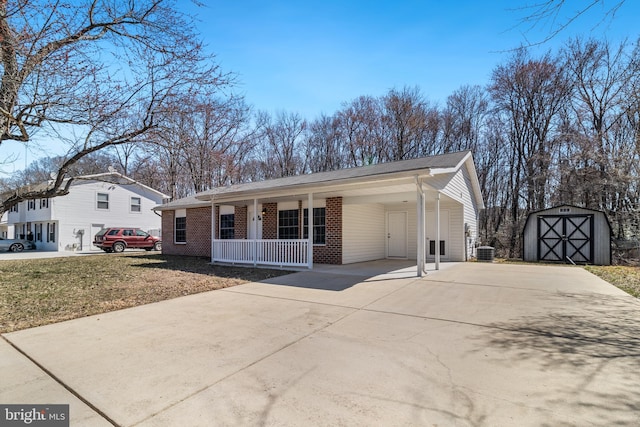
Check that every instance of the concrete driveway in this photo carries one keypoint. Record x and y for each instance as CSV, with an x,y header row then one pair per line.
x,y
470,345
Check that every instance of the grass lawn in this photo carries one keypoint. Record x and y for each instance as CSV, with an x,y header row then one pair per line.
x,y
624,277
41,291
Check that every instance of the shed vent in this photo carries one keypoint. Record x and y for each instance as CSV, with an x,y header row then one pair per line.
x,y
565,210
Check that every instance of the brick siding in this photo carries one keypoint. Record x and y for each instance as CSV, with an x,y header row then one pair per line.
x,y
240,222
331,252
198,233
270,221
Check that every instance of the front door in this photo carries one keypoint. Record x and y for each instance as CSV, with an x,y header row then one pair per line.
x,y
397,234
254,223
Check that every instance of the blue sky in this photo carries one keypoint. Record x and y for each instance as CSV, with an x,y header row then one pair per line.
x,y
310,56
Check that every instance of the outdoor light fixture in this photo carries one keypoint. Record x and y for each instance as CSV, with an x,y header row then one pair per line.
x,y
264,211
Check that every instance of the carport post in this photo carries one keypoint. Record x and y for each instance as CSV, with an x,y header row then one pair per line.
x,y
420,200
310,231
438,231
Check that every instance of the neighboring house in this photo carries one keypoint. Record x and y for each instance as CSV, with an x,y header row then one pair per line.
x,y
94,201
4,228
424,209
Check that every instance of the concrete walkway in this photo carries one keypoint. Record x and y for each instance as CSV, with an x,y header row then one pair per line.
x,y
470,345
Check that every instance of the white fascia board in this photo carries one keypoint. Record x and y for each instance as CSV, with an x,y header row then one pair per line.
x,y
322,187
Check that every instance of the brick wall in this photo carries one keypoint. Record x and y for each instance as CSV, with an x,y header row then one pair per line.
x,y
331,252
240,222
198,233
270,221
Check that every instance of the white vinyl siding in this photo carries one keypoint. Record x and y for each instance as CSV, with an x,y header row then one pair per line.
x,y
455,240
459,188
363,232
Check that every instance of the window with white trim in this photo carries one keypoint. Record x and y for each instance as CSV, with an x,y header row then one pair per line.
x,y
51,232
319,225
180,231
288,224
227,226
136,204
103,201
31,205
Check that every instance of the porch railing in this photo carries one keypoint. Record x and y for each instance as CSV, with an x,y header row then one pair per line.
x,y
284,253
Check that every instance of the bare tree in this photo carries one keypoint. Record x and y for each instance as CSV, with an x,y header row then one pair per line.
x,y
94,74
552,17
281,142
529,94
324,145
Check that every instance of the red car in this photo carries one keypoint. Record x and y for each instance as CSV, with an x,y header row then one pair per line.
x,y
117,239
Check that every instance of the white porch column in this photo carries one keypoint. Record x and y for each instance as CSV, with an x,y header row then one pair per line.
x,y
310,231
438,231
420,212
255,232
214,221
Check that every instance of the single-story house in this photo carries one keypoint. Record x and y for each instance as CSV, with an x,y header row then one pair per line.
x,y
69,222
424,209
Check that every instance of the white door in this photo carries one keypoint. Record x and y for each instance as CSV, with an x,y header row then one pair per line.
x,y
251,221
431,235
397,234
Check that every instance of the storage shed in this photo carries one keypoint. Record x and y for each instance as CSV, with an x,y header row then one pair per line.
x,y
568,234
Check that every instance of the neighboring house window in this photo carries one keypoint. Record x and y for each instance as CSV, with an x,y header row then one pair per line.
x,y
44,203
51,232
136,203
227,226
288,224
14,208
319,225
39,232
103,201
31,205
181,229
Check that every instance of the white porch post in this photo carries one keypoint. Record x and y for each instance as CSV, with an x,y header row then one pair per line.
x,y
310,231
255,232
213,228
438,231
421,227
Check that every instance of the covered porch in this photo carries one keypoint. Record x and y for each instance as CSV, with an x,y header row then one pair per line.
x,y
398,219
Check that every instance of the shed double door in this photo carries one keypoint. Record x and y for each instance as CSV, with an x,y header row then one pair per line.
x,y
566,237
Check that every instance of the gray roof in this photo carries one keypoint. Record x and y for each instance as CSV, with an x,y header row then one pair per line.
x,y
443,161
185,202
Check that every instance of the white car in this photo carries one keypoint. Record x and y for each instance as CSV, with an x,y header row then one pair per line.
x,y
15,245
